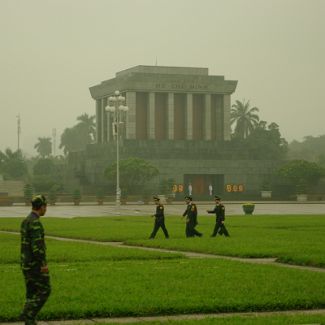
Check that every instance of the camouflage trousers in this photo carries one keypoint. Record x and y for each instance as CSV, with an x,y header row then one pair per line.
x,y
38,290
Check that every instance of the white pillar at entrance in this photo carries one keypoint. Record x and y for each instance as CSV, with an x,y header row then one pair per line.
x,y
130,116
151,116
170,118
226,117
189,116
207,117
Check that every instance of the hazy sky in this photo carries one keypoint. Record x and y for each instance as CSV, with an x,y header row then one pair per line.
x,y
52,51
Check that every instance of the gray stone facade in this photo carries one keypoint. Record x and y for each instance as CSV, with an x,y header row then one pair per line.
x,y
185,162
179,120
164,100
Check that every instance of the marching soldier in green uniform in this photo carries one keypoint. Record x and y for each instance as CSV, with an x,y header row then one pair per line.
x,y
159,219
219,210
33,261
191,218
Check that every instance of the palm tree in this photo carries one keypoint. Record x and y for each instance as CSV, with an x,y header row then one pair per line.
x,y
44,147
86,121
12,164
244,117
69,140
77,137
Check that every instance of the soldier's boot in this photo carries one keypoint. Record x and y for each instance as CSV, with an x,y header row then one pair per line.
x,y
30,322
27,321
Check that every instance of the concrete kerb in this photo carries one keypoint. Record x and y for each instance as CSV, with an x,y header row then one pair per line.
x,y
110,210
166,318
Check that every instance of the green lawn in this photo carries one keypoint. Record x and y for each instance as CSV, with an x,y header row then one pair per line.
x,y
291,239
147,287
92,280
58,251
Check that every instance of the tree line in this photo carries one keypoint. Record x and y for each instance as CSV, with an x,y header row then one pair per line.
x,y
75,138
258,138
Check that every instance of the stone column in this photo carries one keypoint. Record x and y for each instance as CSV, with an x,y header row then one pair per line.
x,y
104,120
130,116
170,115
98,120
189,116
207,117
108,123
226,117
151,116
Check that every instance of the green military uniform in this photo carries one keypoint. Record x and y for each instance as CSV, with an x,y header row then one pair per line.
x,y
33,257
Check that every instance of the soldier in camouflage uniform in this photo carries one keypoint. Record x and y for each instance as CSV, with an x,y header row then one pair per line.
x,y
33,261
159,219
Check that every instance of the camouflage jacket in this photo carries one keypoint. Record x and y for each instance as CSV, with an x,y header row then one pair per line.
x,y
33,249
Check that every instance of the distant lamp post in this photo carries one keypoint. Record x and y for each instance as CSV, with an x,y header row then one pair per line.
x,y
116,106
18,130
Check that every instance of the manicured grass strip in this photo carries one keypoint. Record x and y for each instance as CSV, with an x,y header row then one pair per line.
x,y
95,228
287,250
244,320
293,239
60,251
127,288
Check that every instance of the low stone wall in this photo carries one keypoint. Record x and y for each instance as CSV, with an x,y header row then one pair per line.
x,y
12,188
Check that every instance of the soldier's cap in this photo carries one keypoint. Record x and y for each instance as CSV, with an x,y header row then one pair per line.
x,y
156,198
216,197
38,201
188,197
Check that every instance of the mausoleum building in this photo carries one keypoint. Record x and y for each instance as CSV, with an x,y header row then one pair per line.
x,y
179,120
167,103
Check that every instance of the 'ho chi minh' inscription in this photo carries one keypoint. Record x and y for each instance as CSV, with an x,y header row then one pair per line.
x,y
181,86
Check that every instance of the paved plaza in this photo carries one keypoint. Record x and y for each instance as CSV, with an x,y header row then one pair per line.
x,y
232,208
